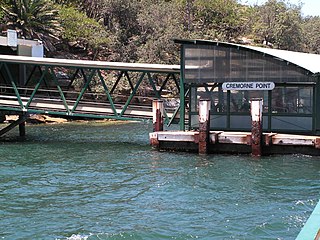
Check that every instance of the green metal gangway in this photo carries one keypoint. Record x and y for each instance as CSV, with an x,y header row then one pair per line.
x,y
311,229
87,89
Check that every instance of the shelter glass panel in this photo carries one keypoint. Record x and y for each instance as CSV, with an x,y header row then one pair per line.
x,y
240,122
240,100
215,94
302,124
218,122
218,64
297,100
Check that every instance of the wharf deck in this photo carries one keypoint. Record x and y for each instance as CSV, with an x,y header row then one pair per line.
x,y
236,142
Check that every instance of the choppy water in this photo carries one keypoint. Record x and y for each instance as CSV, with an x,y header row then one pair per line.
x,y
93,181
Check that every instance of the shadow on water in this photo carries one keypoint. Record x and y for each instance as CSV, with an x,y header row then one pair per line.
x,y
83,132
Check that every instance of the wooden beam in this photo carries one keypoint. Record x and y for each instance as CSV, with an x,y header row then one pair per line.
x,y
20,121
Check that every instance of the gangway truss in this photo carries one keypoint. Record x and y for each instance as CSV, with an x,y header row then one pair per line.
x,y
87,89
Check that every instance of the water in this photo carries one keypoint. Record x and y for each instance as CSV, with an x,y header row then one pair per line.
x,y
89,181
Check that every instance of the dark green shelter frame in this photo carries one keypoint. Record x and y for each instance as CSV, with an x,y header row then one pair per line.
x,y
293,106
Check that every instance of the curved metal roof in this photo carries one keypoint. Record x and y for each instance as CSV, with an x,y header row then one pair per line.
x,y
307,61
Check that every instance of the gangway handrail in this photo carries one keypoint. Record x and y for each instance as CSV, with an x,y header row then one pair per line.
x,y
41,87
311,229
143,67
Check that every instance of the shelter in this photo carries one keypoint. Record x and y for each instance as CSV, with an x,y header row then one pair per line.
x,y
12,45
230,75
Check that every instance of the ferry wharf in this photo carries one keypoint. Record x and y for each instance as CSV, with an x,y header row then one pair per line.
x,y
244,99
235,143
206,141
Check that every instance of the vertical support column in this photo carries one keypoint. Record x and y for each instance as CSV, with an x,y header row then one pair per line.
x,y
157,110
22,127
204,125
2,117
256,126
182,89
316,107
22,75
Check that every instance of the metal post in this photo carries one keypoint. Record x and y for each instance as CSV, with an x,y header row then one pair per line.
x,y
22,127
204,125
157,111
256,126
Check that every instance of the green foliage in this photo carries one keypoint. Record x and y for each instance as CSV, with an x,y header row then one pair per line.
x,y
67,2
143,31
1,16
220,17
120,17
78,27
215,19
33,19
2,13
92,8
159,25
279,25
311,34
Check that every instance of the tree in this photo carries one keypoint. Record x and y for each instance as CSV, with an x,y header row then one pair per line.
x,y
214,19
2,23
279,25
1,15
160,23
67,2
289,31
311,34
33,19
120,18
77,27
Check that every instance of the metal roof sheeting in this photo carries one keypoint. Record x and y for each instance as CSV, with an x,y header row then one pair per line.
x,y
310,62
307,61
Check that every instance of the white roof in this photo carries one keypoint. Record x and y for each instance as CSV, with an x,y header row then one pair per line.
x,y
310,62
91,64
3,42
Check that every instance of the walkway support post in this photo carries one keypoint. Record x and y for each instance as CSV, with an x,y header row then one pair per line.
x,y
256,126
20,121
22,126
204,125
157,112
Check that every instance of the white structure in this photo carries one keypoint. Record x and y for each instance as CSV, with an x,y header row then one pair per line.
x,y
29,48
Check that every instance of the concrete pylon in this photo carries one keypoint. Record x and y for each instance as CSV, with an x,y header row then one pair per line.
x,y
204,125
256,126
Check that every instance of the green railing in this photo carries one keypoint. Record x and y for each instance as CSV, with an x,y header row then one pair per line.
x,y
91,89
311,229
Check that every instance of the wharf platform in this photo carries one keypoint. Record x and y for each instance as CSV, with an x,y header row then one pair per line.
x,y
235,142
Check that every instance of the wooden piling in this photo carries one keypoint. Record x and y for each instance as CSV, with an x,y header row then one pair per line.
x,y
157,111
204,125
256,126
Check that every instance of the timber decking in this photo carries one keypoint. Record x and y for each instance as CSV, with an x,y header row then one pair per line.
x,y
237,142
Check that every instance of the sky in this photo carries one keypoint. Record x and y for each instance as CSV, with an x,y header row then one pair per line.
x,y
309,7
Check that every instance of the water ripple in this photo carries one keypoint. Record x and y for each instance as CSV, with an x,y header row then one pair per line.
x,y
101,181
